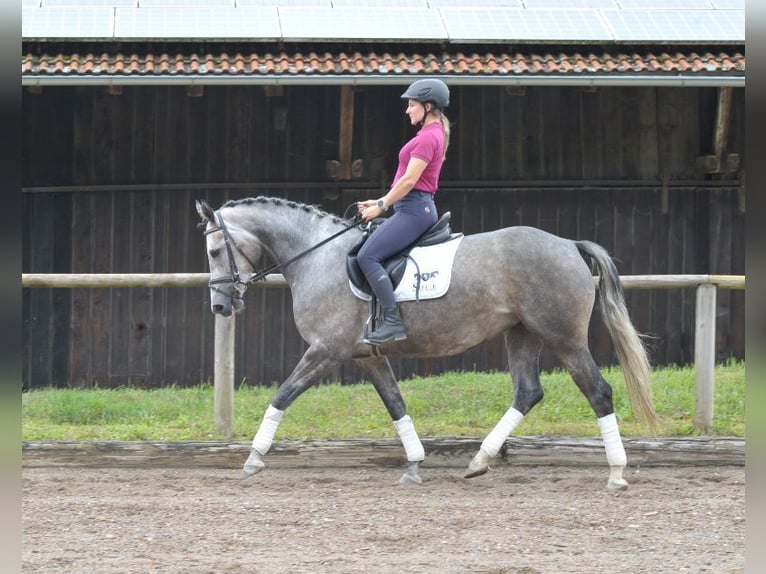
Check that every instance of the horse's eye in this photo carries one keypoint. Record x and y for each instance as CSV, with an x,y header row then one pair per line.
x,y
215,253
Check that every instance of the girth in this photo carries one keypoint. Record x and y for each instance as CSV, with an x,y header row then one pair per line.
x,y
439,232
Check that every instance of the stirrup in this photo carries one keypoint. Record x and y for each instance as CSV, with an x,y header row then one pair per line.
x,y
371,323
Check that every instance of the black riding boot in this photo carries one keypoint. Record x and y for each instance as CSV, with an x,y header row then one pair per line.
x,y
391,329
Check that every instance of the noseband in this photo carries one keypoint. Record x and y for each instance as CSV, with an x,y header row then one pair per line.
x,y
234,276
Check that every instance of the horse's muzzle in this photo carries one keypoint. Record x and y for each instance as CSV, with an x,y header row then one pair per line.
x,y
219,309
234,305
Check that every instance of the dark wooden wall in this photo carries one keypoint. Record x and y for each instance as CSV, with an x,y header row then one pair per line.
x,y
111,181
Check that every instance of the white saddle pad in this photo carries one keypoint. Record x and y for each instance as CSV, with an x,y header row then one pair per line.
x,y
434,266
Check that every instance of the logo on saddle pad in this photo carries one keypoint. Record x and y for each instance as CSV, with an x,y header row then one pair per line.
x,y
427,273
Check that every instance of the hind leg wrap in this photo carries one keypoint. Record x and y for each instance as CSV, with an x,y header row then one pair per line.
x,y
615,452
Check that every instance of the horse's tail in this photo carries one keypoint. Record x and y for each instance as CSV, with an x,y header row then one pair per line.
x,y
630,349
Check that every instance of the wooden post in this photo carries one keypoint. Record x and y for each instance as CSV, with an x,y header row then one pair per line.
x,y
346,131
704,357
223,375
722,123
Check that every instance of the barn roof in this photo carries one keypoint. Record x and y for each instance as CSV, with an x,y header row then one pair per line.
x,y
681,42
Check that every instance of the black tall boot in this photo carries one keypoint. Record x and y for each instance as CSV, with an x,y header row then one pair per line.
x,y
391,329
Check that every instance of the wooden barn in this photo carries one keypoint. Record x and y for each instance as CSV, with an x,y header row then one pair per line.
x,y
618,122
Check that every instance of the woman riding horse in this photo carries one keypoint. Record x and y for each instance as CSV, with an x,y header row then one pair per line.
x,y
412,198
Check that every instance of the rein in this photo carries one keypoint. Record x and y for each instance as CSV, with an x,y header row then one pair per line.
x,y
231,245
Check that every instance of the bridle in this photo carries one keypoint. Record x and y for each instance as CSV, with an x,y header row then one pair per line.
x,y
234,276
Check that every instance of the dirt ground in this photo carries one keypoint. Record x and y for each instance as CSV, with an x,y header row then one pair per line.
x,y
524,519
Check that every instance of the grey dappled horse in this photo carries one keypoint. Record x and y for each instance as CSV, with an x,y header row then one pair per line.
x,y
532,286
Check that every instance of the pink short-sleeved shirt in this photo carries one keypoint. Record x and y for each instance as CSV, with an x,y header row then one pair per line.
x,y
428,145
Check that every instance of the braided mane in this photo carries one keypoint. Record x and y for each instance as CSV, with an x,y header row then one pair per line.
x,y
281,202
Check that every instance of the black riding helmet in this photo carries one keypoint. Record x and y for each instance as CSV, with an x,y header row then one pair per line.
x,y
428,90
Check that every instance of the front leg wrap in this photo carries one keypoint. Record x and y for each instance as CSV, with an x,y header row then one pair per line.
x,y
267,430
496,439
414,449
262,441
494,442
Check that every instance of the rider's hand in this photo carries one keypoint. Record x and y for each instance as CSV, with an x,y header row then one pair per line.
x,y
371,212
362,205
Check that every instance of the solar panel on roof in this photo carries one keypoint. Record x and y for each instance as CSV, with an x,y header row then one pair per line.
x,y
185,3
476,3
676,21
379,3
508,24
86,23
361,23
665,4
204,23
74,3
728,4
569,4
276,3
677,25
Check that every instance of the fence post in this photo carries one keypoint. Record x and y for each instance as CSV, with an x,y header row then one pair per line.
x,y
223,375
704,356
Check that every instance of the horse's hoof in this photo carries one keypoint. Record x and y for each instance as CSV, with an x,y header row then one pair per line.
x,y
617,484
476,470
411,475
410,479
253,464
479,465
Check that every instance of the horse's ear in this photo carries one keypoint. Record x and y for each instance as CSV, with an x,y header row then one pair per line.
x,y
205,211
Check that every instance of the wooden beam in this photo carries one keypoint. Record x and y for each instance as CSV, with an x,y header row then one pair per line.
x,y
273,91
741,191
346,131
720,161
722,122
99,280
195,91
441,452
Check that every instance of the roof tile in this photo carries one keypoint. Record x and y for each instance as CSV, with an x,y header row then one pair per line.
x,y
286,63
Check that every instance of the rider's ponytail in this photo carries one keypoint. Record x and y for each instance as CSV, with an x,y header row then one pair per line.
x,y
446,127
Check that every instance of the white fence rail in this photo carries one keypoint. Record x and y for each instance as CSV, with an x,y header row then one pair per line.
x,y
223,378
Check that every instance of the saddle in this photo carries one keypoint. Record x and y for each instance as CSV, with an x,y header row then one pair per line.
x,y
439,232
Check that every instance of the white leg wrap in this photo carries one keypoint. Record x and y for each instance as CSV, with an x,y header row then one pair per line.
x,y
267,430
410,440
495,440
615,452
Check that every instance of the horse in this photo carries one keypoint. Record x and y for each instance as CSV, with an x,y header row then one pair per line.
x,y
535,288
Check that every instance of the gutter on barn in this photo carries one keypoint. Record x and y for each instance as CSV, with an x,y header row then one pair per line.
x,y
623,80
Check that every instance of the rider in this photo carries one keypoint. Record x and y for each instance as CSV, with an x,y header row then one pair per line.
x,y
412,197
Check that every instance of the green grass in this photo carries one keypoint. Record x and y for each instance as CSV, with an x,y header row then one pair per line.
x,y
449,405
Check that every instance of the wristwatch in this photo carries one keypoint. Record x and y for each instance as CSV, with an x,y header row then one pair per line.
x,y
382,205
